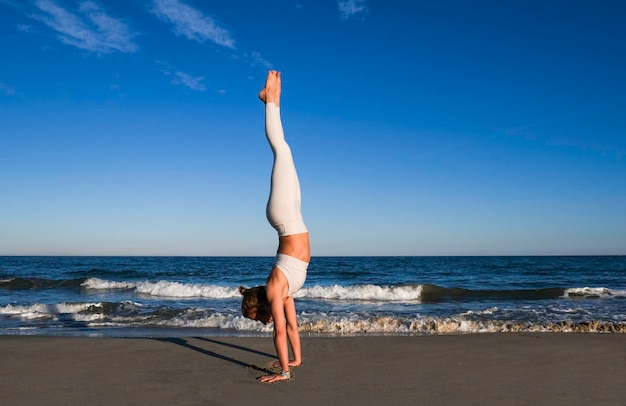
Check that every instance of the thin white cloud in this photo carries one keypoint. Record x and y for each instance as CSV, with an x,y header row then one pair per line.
x,y
23,27
257,60
93,30
351,9
181,78
191,23
191,82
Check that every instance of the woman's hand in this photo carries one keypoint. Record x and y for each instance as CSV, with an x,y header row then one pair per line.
x,y
274,378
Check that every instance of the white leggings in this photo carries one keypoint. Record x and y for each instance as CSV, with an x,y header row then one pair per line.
x,y
283,206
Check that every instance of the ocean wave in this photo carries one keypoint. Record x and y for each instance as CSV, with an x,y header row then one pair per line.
x,y
218,321
420,293
428,293
434,294
338,326
46,311
593,293
189,290
165,288
76,311
38,283
135,315
363,292
424,326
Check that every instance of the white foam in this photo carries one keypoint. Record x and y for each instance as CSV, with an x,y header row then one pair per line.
x,y
86,317
565,310
363,292
320,323
176,289
221,321
484,312
50,311
216,320
351,324
32,312
401,293
71,308
165,288
102,284
591,292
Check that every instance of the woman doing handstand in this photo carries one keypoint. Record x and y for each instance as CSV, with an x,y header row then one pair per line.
x,y
274,301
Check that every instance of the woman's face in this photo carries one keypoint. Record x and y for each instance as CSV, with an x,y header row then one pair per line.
x,y
263,317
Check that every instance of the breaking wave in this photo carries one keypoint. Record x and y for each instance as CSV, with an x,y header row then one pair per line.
x,y
423,293
165,288
132,314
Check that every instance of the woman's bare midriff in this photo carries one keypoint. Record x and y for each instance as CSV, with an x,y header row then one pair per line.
x,y
295,245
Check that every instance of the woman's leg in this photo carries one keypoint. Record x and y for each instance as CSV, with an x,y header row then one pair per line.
x,y
283,206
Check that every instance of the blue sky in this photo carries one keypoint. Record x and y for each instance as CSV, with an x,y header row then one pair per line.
x,y
418,128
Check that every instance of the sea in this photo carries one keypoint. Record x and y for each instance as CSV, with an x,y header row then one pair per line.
x,y
198,296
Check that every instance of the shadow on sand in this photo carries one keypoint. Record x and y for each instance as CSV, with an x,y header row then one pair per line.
x,y
184,343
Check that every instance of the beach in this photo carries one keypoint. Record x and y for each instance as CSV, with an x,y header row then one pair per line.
x,y
470,369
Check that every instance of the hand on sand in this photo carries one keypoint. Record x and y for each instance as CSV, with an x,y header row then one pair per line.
x,y
273,378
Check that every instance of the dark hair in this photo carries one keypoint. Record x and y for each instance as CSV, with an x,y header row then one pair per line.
x,y
253,299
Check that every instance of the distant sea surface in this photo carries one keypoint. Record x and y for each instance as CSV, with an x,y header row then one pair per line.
x,y
191,296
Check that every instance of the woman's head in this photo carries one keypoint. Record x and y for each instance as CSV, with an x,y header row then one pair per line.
x,y
255,305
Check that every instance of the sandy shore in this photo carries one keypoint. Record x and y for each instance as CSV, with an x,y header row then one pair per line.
x,y
478,369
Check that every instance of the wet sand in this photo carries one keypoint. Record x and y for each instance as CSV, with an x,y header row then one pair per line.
x,y
474,369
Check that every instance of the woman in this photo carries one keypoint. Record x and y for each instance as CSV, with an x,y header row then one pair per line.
x,y
274,301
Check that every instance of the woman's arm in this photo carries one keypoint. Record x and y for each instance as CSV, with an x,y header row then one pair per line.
x,y
280,332
292,331
276,290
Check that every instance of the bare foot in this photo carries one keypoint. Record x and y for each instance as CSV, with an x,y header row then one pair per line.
x,y
269,93
277,90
